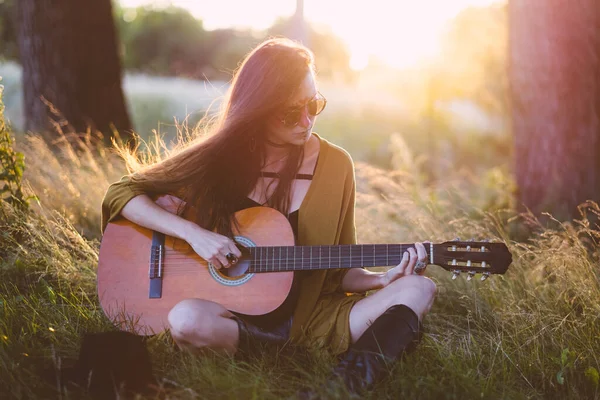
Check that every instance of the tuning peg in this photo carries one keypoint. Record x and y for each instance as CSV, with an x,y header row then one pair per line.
x,y
470,275
455,274
456,239
485,276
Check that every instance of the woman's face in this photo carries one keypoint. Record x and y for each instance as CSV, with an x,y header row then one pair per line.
x,y
281,133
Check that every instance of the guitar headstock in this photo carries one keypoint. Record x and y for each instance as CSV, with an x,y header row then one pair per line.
x,y
473,257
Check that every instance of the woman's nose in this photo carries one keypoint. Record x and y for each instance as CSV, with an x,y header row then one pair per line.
x,y
305,118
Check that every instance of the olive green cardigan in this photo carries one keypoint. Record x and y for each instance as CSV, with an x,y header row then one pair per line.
x,y
326,217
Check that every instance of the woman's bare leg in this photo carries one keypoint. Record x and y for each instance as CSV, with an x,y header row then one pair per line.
x,y
414,291
197,324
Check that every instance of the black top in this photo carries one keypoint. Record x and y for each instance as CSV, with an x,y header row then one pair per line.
x,y
267,174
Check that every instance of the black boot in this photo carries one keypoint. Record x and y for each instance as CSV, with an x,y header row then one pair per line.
x,y
253,338
395,332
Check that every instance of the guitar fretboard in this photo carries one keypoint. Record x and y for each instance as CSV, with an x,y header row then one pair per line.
x,y
293,258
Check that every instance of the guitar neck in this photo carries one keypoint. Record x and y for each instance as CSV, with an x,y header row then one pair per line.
x,y
300,258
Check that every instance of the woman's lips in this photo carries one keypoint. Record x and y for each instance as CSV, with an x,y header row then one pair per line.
x,y
304,133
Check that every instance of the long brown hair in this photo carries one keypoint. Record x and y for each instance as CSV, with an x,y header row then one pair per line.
x,y
213,174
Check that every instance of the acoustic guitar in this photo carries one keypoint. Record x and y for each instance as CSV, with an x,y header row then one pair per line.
x,y
142,274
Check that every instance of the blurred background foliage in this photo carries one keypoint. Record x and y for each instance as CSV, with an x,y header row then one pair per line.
x,y
449,111
170,41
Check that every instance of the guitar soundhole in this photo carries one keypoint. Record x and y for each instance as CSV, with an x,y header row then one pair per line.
x,y
236,270
236,274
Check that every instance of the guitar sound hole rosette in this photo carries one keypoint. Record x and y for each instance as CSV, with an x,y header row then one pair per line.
x,y
235,275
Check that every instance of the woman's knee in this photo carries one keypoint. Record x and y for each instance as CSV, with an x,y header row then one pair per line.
x,y
427,286
415,282
192,321
414,290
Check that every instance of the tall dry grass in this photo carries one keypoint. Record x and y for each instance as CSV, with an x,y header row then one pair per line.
x,y
531,333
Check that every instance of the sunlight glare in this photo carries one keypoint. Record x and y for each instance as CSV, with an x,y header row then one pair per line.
x,y
358,60
401,33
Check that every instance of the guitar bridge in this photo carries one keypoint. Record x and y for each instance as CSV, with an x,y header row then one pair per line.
x,y
156,264
155,270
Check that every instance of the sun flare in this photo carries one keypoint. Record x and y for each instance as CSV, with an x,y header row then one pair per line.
x,y
398,33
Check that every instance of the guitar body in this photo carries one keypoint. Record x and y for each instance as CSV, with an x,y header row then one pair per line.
x,y
125,263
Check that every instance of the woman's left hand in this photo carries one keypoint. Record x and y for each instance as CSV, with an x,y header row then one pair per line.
x,y
407,264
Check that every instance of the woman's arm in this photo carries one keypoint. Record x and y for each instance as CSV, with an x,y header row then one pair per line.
x,y
359,280
211,246
128,200
142,210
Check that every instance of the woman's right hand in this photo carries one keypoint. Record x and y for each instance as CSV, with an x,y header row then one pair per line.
x,y
212,246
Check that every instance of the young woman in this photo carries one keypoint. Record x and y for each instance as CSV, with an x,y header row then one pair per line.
x,y
262,151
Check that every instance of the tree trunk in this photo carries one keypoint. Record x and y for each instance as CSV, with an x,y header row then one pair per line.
x,y
68,50
554,69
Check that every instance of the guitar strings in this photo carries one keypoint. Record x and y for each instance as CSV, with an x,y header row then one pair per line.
x,y
279,264
284,263
281,249
187,260
364,246
182,256
281,261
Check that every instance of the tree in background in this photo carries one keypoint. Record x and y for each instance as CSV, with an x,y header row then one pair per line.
x,y
8,41
554,66
226,48
167,41
68,51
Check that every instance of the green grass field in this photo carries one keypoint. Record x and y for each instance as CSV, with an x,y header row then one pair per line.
x,y
531,333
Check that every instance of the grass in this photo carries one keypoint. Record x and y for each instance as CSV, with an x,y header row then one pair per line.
x,y
532,333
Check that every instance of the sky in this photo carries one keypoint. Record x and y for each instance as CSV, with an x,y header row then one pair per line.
x,y
399,32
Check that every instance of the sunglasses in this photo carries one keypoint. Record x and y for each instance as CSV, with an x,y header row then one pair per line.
x,y
314,107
